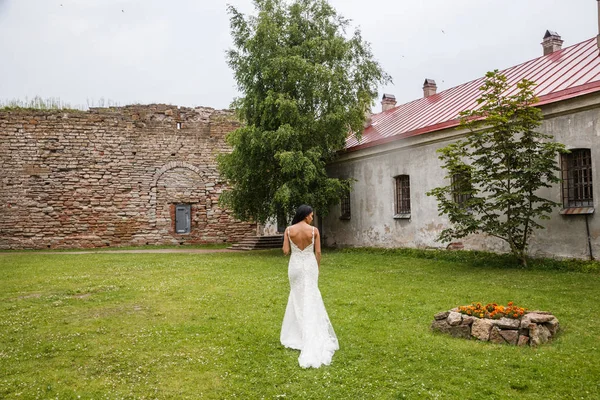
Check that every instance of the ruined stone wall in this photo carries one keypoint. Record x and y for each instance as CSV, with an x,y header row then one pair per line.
x,y
112,177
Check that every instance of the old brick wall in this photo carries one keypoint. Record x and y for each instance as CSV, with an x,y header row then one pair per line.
x,y
111,177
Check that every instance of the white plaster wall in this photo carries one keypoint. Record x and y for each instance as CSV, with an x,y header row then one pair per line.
x,y
574,123
565,235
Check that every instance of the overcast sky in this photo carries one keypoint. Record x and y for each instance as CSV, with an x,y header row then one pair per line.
x,y
157,51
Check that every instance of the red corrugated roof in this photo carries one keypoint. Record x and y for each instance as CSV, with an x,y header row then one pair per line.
x,y
570,72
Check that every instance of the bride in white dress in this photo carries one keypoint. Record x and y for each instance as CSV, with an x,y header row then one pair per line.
x,y
306,326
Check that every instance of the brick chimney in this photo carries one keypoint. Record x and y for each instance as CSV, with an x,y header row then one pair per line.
x,y
388,102
429,88
368,118
552,42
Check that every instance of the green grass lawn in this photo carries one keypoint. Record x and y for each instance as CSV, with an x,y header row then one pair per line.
x,y
207,326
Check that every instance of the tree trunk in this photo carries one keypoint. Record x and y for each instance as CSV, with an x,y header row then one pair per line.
x,y
517,251
281,221
523,259
521,256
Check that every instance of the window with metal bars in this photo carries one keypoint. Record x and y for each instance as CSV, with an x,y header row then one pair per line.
x,y
577,186
402,195
460,186
345,205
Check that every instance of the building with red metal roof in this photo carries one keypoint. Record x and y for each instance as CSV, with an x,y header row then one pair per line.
x,y
560,75
395,162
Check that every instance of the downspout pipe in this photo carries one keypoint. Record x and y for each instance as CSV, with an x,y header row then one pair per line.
x,y
598,36
589,238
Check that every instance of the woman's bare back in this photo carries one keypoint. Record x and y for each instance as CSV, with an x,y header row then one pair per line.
x,y
301,234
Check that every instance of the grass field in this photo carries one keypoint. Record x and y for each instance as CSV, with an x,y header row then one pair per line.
x,y
177,326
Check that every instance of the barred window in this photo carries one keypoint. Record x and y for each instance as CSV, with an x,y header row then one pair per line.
x,y
577,186
345,205
402,195
460,186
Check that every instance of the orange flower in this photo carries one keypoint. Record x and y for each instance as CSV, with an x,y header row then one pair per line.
x,y
492,310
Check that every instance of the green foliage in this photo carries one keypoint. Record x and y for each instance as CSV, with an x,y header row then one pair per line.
x,y
485,260
189,326
305,86
501,165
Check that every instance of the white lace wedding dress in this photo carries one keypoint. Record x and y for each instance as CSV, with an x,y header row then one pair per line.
x,y
306,326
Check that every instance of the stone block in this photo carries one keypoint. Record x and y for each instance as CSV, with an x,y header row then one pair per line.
x,y
523,340
545,334
507,323
441,315
495,336
538,334
524,324
553,326
440,326
511,336
481,329
538,317
454,318
460,331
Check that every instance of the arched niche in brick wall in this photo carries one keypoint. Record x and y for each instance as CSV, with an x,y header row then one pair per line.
x,y
178,182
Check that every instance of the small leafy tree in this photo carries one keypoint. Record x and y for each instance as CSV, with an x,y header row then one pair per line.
x,y
305,85
499,167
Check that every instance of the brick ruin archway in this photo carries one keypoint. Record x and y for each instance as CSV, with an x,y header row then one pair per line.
x,y
188,185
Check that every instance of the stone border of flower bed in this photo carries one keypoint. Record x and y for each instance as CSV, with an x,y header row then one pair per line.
x,y
533,328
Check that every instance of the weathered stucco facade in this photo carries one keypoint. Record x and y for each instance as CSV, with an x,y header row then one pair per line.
x,y
112,177
575,123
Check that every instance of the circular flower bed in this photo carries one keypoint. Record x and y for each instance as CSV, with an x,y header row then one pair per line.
x,y
498,324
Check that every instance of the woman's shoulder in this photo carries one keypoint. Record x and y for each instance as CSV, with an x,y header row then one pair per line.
x,y
300,227
310,230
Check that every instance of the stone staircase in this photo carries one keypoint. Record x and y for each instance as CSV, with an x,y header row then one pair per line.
x,y
259,243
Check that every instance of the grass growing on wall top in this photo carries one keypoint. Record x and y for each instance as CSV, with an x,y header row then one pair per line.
x,y
35,103
53,103
207,326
